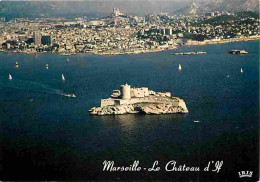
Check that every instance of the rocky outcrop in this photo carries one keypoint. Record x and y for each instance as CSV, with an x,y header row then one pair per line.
x,y
147,108
162,109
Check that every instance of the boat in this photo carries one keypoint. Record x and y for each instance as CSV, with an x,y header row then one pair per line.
x,y
179,67
196,121
16,65
47,66
62,77
10,77
241,70
69,95
235,51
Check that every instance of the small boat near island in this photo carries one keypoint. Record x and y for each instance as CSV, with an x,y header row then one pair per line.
x,y
16,65
10,77
188,53
179,68
69,95
62,77
236,51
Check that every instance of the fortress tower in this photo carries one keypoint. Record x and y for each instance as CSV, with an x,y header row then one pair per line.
x,y
125,92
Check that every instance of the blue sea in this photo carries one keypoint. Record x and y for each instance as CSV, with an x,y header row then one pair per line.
x,y
46,136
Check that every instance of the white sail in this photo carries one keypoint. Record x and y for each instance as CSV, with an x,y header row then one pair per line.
x,y
241,70
62,77
179,67
10,77
68,59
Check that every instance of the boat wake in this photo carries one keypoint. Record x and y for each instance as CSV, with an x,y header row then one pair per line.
x,y
33,87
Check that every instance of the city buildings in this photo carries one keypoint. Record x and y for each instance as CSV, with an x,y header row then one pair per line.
x,y
37,38
122,34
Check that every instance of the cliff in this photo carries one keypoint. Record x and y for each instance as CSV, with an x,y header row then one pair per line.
x,y
147,108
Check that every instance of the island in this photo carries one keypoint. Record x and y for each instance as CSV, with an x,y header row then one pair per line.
x,y
129,100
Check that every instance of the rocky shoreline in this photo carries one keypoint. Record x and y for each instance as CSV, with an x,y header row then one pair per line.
x,y
146,108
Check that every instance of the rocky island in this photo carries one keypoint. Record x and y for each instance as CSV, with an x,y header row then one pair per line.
x,y
129,100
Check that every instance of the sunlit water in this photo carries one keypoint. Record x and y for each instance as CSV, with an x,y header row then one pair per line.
x,y
45,135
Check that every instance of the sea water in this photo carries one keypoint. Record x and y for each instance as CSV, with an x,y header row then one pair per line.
x,y
45,135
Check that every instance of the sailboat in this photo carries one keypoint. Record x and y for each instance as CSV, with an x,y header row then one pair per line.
x,y
62,77
241,70
179,67
10,77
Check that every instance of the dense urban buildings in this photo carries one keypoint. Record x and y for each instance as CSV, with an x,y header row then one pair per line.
x,y
37,38
122,34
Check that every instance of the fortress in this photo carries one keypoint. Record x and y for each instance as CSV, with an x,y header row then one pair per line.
x,y
128,95
134,100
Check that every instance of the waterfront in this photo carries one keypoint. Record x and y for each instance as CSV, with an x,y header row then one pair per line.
x,y
121,34
54,137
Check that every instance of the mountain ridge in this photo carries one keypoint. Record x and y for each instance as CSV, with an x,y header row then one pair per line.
x,y
219,5
14,9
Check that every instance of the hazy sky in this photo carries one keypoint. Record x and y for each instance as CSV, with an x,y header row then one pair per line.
x,y
107,0
102,8
97,7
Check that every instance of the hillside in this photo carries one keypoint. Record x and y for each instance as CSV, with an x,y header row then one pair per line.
x,y
219,5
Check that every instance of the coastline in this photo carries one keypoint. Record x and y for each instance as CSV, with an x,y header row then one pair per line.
x,y
188,43
222,41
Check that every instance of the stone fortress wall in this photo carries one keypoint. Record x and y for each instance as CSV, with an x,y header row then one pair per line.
x,y
128,95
